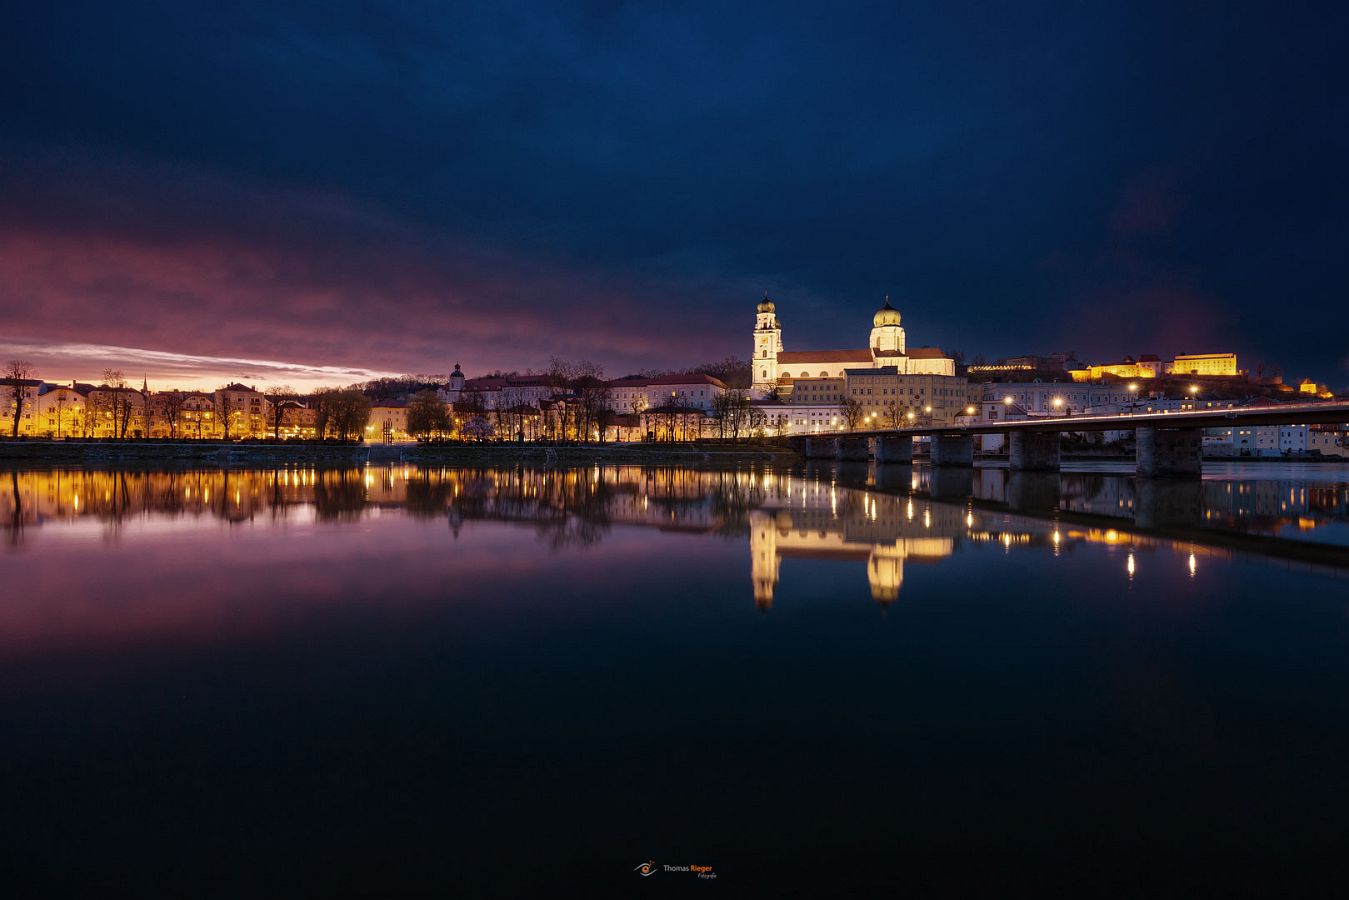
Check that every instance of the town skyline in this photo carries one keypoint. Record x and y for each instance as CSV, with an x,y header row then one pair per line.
x,y
66,362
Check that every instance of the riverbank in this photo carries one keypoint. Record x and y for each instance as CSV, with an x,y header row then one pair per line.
x,y
584,454
208,453
179,453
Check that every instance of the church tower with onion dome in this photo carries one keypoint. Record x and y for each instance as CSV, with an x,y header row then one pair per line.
x,y
767,346
887,337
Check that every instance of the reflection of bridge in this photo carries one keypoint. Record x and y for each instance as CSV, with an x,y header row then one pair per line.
x,y
876,518
1168,443
1243,518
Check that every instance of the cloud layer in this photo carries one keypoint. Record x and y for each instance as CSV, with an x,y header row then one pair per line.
x,y
328,186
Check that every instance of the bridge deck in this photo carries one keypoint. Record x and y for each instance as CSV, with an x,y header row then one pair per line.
x,y
1285,414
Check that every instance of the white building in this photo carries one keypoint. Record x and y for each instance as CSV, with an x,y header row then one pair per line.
x,y
1258,440
693,391
1039,398
25,391
1328,440
775,368
61,410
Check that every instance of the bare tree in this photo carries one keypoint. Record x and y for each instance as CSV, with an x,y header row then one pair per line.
x,y
116,401
228,417
279,397
321,400
427,416
594,395
171,404
478,428
61,403
17,371
740,412
853,413
349,411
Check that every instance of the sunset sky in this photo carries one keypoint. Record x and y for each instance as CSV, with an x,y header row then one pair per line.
x,y
313,193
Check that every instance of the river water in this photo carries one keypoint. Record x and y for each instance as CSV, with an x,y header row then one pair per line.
x,y
816,681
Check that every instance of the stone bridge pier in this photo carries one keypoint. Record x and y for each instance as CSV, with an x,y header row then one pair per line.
x,y
953,450
894,448
821,448
852,449
1169,452
1033,451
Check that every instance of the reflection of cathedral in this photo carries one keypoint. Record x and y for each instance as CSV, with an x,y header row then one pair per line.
x,y
825,522
773,365
824,516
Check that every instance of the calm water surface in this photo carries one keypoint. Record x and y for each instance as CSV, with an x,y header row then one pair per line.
x,y
822,681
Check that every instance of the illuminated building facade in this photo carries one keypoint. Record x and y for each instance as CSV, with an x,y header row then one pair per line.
x,y
776,369
1199,365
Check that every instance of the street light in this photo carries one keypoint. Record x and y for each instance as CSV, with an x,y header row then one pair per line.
x,y
969,410
909,415
1007,401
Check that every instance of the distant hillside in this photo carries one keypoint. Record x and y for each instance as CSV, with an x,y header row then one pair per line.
x,y
733,370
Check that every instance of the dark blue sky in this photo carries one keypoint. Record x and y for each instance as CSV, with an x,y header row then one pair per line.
x,y
394,189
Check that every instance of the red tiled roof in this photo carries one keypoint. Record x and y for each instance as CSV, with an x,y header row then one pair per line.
x,y
926,353
688,378
814,356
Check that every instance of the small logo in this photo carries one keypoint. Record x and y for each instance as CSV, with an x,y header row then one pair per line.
x,y
646,869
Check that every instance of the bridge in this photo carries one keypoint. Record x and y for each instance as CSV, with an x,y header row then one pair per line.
x,y
1169,444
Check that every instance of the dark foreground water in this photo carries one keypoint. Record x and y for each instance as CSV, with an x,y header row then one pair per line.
x,y
821,682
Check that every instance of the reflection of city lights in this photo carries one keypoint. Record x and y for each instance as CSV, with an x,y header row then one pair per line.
x,y
969,520
1056,537
1111,536
1194,564
1130,565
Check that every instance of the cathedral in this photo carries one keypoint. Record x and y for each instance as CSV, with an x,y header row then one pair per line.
x,y
777,369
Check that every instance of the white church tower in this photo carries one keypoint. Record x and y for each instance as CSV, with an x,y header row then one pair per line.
x,y
767,346
887,337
